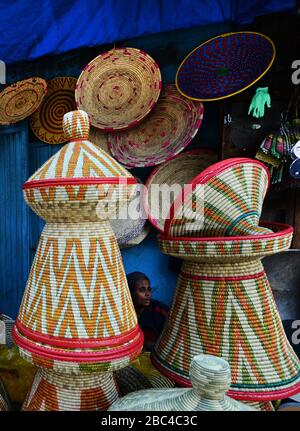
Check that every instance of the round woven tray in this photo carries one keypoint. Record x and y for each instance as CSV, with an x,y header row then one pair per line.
x,y
118,88
224,200
100,139
162,135
174,173
20,100
46,123
225,65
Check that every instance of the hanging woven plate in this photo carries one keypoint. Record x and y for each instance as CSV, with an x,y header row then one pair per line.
x,y
46,123
225,65
21,99
162,135
118,88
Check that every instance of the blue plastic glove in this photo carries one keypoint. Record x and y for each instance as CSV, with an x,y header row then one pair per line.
x,y
259,100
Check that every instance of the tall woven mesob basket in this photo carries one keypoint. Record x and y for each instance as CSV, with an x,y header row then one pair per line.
x,y
223,303
77,322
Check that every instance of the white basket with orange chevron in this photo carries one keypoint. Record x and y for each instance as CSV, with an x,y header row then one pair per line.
x,y
77,314
224,306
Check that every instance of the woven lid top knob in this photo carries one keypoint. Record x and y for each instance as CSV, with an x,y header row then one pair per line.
x,y
210,376
76,125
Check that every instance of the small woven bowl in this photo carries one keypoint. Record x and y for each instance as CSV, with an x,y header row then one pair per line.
x,y
118,88
165,132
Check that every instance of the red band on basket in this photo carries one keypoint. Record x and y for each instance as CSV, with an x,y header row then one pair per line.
x,y
77,342
78,181
101,356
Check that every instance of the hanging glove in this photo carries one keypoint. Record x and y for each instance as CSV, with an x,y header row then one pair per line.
x,y
259,100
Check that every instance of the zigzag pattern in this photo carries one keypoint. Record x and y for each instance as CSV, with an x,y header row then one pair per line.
x,y
77,288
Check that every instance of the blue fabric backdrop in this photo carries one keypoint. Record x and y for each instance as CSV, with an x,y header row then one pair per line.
x,y
32,29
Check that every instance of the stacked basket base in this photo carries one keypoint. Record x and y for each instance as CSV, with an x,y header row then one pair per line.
x,y
53,391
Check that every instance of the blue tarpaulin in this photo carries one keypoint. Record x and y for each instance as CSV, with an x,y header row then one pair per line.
x,y
31,29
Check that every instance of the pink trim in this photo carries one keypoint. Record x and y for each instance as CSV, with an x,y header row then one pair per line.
x,y
231,278
78,181
286,229
102,356
204,177
76,342
238,395
153,173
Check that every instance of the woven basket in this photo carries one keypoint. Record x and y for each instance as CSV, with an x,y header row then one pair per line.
x,y
225,65
138,239
46,123
224,200
4,401
20,100
174,174
9,323
61,392
100,139
162,135
118,88
210,378
224,306
77,312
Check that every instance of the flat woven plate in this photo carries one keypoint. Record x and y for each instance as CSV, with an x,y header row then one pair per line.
x,y
162,135
46,123
174,173
225,65
118,88
21,99
99,138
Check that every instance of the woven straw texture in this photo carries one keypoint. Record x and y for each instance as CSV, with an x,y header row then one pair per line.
x,y
225,65
20,100
46,123
100,139
224,200
138,239
118,88
174,173
227,309
162,135
9,323
59,392
210,379
4,401
131,219
77,312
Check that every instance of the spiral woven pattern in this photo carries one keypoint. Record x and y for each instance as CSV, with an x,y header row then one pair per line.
x,y
20,100
225,65
53,391
174,173
118,88
166,131
46,123
224,200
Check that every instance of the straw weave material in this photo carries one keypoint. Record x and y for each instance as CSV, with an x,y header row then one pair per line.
x,y
59,392
4,401
46,123
175,173
210,379
165,132
225,200
138,239
226,308
118,88
77,312
20,100
100,139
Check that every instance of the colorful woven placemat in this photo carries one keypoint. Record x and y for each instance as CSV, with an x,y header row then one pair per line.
x,y
118,88
173,174
21,99
167,130
46,123
225,65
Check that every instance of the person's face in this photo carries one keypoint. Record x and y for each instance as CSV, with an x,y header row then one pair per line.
x,y
142,293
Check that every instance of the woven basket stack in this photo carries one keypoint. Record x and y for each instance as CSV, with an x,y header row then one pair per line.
x,y
223,303
77,322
